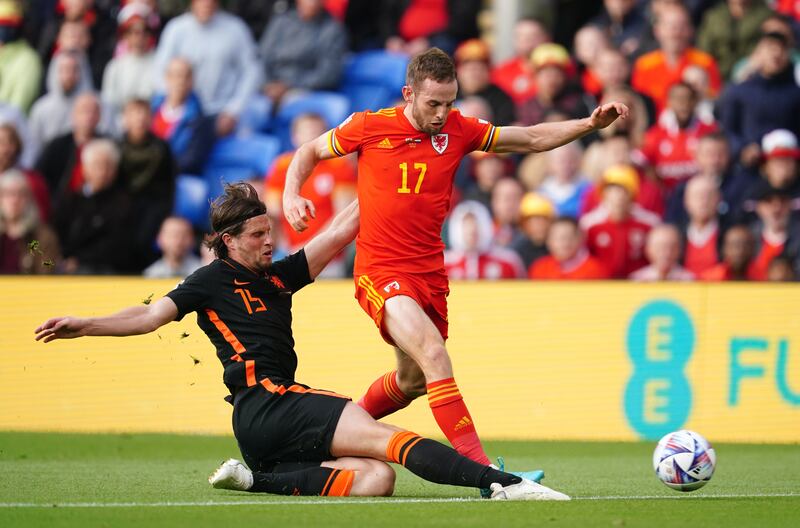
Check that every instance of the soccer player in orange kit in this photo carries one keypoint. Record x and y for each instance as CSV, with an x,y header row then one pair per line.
x,y
407,157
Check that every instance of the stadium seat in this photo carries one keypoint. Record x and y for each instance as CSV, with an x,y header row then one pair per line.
x,y
255,117
239,158
191,200
333,107
373,79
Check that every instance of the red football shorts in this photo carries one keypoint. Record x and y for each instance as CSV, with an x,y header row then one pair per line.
x,y
430,290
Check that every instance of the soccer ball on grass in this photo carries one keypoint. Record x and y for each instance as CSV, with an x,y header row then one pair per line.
x,y
684,460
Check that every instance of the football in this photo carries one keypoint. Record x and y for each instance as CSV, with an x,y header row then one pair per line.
x,y
684,460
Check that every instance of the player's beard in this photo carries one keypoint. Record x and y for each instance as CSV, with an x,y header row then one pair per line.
x,y
425,126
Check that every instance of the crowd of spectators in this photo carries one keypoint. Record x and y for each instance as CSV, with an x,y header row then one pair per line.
x,y
103,104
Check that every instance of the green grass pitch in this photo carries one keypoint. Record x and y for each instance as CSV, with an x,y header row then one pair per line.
x,y
160,480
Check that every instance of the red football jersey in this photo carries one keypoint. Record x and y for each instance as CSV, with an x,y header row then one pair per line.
x,y
405,179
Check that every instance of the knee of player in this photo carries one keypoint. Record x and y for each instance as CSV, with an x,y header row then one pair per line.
x,y
436,360
378,480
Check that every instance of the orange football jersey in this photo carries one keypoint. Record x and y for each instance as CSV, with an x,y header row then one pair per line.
x,y
405,179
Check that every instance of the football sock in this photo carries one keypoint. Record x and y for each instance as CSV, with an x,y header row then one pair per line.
x,y
454,419
384,397
438,463
312,481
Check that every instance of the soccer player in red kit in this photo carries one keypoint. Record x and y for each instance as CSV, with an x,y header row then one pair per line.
x,y
407,157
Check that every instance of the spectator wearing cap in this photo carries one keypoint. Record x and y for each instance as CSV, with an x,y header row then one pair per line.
x,y
737,255
655,72
779,164
568,258
564,185
474,79
50,115
554,90
20,226
536,214
777,232
472,255
663,250
768,100
331,186
617,150
669,146
96,224
505,201
616,230
20,66
178,118
625,23
130,75
313,61
730,30
177,244
223,58
516,76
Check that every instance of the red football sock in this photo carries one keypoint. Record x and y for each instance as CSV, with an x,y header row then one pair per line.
x,y
384,397
454,419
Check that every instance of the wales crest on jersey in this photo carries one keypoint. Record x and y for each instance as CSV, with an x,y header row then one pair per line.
x,y
439,142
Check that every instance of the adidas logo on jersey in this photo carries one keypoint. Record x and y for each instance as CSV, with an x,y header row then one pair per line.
x,y
385,144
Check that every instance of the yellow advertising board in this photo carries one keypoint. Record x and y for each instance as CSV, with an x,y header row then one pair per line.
x,y
604,361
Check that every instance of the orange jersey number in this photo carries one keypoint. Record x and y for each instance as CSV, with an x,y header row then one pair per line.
x,y
248,299
421,167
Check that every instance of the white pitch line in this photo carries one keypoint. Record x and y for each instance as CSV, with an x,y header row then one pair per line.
x,y
344,502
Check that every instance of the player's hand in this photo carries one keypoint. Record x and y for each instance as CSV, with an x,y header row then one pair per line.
x,y
61,328
297,211
606,114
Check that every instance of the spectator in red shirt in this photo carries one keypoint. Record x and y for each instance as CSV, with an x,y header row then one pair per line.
x,y
568,258
616,229
10,152
663,250
516,76
737,254
589,43
536,213
703,232
669,147
331,186
656,71
472,254
779,234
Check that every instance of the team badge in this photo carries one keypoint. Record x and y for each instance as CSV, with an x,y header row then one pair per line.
x,y
276,282
439,142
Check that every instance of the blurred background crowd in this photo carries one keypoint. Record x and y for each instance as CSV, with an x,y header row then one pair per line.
x,y
119,121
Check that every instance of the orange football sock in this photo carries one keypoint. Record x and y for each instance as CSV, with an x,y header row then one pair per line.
x,y
454,419
384,397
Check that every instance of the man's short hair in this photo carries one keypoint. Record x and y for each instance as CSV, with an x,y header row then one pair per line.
x,y
238,203
433,64
101,146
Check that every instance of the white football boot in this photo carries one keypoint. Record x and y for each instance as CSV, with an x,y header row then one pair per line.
x,y
525,490
232,475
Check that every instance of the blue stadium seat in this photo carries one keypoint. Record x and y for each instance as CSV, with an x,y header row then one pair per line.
x,y
191,200
373,79
333,107
255,153
255,117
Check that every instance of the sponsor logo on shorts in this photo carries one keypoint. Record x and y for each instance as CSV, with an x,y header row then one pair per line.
x,y
394,285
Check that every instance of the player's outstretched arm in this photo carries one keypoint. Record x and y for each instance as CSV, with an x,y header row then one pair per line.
x,y
297,209
326,245
547,136
130,321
